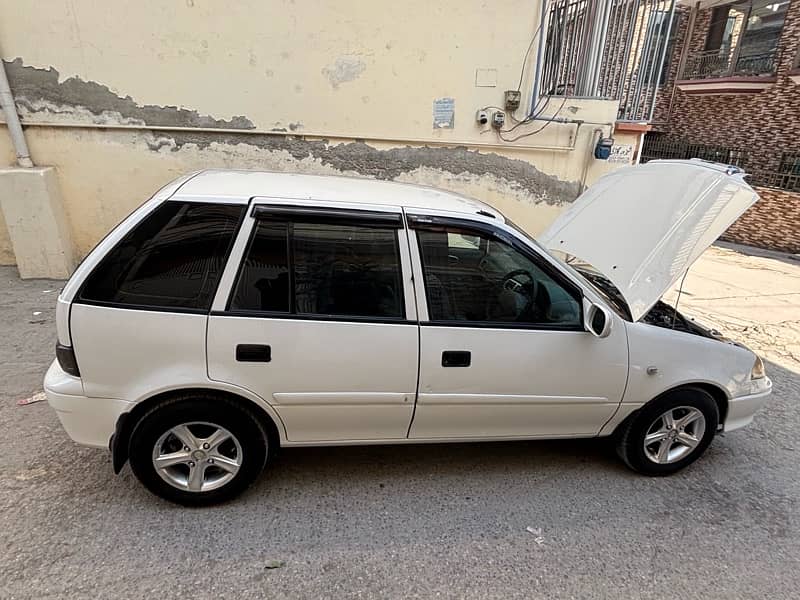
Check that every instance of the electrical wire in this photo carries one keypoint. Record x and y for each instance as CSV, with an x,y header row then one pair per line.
x,y
527,54
538,111
530,133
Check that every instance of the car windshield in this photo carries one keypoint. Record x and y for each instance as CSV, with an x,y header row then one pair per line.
x,y
583,271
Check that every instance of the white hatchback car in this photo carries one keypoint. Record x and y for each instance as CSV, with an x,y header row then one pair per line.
x,y
237,312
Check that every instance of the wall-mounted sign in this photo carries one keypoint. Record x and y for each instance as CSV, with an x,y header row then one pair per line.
x,y
444,113
621,153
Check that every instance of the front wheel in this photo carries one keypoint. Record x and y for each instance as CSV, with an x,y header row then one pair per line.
x,y
669,433
198,449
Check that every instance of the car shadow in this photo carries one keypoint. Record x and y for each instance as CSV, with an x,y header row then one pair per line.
x,y
397,463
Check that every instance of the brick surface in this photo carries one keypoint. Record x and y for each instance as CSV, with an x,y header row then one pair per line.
x,y
774,222
765,124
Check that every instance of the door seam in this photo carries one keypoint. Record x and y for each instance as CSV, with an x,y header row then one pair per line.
x,y
419,327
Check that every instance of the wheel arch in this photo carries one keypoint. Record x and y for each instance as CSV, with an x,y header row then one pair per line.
x,y
128,420
719,395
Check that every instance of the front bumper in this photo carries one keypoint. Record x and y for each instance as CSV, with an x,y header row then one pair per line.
x,y
88,421
742,409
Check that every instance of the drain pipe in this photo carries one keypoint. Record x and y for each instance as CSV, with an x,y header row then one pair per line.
x,y
12,120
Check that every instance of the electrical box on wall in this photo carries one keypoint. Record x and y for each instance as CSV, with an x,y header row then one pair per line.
x,y
512,100
603,148
498,119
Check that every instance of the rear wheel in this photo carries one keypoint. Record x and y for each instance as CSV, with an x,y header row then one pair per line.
x,y
670,432
198,449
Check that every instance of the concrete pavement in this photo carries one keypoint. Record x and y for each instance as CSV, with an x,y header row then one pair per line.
x,y
751,295
432,521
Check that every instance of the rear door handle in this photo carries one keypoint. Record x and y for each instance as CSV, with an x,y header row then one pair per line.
x,y
456,358
253,353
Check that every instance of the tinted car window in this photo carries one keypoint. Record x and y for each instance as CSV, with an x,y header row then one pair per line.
x,y
474,277
346,271
263,283
321,269
171,259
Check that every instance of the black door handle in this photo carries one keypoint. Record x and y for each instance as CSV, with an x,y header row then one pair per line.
x,y
456,358
253,353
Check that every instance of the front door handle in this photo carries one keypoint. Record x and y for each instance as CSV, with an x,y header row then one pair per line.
x,y
456,358
253,353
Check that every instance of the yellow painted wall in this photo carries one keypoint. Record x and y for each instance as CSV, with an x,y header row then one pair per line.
x,y
343,71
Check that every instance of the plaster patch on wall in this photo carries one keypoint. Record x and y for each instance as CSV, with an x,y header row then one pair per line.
x,y
526,182
344,69
527,208
40,91
111,172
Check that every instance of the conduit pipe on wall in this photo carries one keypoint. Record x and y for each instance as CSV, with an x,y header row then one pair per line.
x,y
12,120
307,135
589,156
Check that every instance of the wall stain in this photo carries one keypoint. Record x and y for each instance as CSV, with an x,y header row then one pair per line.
x,y
37,90
389,164
344,69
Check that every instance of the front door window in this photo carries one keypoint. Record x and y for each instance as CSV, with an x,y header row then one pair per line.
x,y
471,276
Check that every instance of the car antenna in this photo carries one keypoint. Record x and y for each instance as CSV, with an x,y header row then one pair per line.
x,y
677,301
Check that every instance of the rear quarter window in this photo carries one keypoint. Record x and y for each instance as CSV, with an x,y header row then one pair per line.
x,y
172,259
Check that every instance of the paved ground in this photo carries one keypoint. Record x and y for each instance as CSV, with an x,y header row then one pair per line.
x,y
410,522
753,297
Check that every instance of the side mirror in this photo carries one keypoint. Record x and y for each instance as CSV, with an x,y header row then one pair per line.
x,y
596,319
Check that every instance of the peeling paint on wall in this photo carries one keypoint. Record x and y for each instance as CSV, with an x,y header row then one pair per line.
x,y
98,160
40,91
91,161
390,163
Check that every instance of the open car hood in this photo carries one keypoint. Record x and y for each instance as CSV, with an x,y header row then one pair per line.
x,y
644,226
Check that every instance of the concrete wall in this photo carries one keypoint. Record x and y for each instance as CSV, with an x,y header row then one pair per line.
x,y
121,97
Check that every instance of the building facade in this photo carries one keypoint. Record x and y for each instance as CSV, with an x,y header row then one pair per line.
x,y
732,93
118,98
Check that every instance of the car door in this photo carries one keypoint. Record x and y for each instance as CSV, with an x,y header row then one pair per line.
x,y
316,315
503,349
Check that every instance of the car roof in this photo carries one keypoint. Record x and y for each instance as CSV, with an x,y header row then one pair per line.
x,y
241,186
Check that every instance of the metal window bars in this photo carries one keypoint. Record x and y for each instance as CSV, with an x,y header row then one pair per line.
x,y
785,177
612,49
729,63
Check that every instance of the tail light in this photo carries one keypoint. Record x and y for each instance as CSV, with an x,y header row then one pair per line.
x,y
66,360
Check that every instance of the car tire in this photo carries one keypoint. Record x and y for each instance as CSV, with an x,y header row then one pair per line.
x,y
670,432
208,449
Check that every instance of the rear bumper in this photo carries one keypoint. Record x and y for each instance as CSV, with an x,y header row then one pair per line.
x,y
88,421
742,409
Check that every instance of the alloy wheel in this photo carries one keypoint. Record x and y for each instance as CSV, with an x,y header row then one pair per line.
x,y
674,435
197,456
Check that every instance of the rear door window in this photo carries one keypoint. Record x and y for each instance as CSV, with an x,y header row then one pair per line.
x,y
321,269
173,259
347,271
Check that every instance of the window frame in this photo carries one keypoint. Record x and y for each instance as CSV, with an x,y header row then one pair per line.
x,y
100,263
315,214
735,49
418,221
